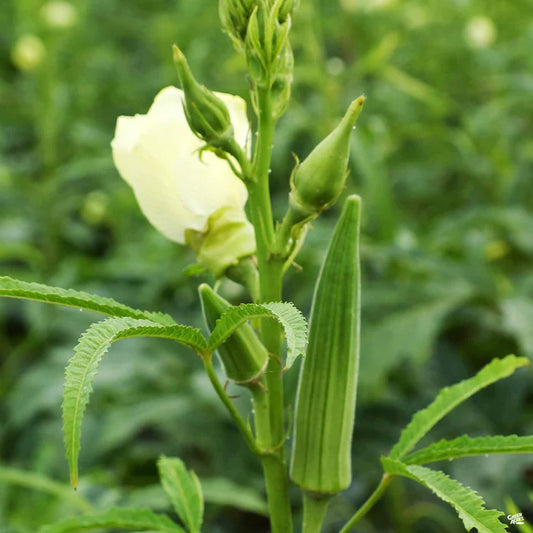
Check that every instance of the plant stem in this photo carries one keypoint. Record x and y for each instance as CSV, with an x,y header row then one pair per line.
x,y
237,418
270,424
315,509
373,498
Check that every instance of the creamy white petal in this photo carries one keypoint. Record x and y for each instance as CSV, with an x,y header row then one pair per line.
x,y
237,113
126,137
158,156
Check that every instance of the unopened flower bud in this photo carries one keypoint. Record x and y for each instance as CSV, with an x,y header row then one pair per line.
x,y
325,404
286,9
318,181
243,355
206,113
266,44
235,15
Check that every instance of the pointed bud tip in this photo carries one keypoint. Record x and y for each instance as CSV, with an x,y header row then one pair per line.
x,y
356,106
203,287
177,54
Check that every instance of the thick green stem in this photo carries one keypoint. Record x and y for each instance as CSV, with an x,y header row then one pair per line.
x,y
373,498
270,425
315,509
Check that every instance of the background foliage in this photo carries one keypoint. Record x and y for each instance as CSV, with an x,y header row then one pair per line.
x,y
442,156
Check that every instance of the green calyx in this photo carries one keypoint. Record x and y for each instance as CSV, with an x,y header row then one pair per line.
x,y
243,355
325,406
267,47
318,181
206,114
235,15
228,238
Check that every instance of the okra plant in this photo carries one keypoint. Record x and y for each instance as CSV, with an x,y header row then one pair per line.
x,y
200,172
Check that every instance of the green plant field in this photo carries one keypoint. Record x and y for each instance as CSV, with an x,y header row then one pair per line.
x,y
443,159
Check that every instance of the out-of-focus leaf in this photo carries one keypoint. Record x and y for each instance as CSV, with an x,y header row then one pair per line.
x,y
408,334
183,490
518,320
116,518
35,481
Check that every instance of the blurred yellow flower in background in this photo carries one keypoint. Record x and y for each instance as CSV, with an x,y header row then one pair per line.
x,y
28,52
480,32
59,14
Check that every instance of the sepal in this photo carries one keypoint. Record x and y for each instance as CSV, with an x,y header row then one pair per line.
x,y
243,355
206,113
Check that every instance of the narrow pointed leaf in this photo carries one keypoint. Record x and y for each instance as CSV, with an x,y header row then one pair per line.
x,y
183,490
116,518
14,288
450,397
466,446
290,318
83,366
469,505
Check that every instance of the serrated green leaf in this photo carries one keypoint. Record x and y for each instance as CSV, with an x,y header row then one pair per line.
x,y
469,505
290,318
83,366
183,490
450,397
14,288
466,446
116,518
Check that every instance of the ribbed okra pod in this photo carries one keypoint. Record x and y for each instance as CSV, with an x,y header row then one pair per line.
x,y
325,405
243,355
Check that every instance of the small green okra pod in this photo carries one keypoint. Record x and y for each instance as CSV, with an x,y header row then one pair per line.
x,y
325,405
243,355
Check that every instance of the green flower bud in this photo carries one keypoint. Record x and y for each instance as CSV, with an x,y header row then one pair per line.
x,y
235,15
267,44
281,86
325,405
206,114
318,181
243,355
229,237
286,9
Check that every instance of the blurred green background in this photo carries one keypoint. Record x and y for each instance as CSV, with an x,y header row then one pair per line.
x,y
442,156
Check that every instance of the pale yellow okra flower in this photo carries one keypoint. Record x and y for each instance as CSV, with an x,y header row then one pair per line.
x,y
190,198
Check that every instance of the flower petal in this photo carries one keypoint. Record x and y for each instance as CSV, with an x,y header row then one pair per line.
x,y
158,156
